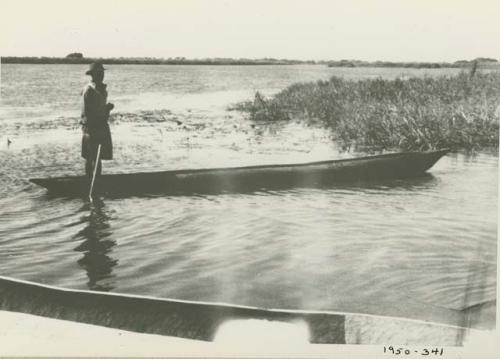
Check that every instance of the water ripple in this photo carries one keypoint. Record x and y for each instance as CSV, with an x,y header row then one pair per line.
x,y
404,247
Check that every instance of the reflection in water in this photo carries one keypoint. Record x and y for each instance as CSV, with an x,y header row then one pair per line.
x,y
380,248
399,186
421,248
96,247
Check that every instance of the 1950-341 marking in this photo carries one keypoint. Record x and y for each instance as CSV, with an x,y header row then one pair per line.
x,y
408,351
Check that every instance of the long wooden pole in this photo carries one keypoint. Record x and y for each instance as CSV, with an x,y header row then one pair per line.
x,y
95,171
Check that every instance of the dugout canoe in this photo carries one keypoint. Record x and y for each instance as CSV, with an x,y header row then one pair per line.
x,y
208,321
243,179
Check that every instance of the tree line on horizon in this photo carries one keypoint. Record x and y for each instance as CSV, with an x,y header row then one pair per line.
x,y
416,64
78,58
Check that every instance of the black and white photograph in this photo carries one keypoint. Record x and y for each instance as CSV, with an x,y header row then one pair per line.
x,y
280,178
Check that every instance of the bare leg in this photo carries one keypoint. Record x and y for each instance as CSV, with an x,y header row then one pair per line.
x,y
88,168
99,167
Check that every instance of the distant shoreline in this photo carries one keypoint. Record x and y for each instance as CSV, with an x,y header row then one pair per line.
x,y
229,61
148,61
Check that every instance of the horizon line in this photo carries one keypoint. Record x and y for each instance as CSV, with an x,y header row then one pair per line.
x,y
183,58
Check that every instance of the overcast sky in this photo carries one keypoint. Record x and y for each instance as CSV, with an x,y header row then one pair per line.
x,y
393,30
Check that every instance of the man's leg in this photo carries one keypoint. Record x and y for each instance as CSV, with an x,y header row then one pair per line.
x,y
88,167
99,167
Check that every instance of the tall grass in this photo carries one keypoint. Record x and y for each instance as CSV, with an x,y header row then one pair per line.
x,y
458,112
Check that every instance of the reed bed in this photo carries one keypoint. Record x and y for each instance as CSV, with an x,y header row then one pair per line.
x,y
457,112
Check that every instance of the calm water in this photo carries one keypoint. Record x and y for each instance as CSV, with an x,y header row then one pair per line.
x,y
411,247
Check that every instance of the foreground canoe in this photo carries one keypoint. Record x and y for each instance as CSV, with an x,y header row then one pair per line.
x,y
209,321
242,179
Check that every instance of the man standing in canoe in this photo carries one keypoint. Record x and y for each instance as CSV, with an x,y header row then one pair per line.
x,y
94,121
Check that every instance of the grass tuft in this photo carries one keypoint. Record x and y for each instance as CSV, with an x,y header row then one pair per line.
x,y
457,112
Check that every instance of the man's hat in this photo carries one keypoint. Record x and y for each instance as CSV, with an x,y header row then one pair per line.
x,y
95,66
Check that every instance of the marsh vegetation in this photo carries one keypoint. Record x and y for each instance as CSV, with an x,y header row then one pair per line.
x,y
456,112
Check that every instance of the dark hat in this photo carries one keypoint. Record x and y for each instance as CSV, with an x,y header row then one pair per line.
x,y
95,66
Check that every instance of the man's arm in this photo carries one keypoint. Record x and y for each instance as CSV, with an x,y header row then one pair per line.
x,y
109,107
